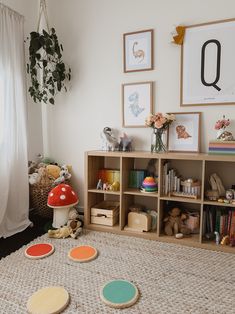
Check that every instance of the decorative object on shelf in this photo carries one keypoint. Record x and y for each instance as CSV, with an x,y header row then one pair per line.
x,y
47,70
206,54
138,51
212,195
136,208
61,198
229,194
191,186
193,222
99,185
159,123
222,147
149,185
174,222
217,237
139,222
179,235
184,132
178,35
225,240
221,126
125,144
136,178
109,142
216,184
109,175
137,100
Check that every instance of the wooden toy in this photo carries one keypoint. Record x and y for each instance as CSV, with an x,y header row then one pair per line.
x,y
39,250
83,253
139,222
119,293
48,300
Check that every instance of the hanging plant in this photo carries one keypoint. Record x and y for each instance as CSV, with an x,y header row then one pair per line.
x,y
46,68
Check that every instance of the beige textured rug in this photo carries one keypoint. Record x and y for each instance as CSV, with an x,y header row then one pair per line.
x,y
171,278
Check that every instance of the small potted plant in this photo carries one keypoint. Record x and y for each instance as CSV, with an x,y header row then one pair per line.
x,y
47,70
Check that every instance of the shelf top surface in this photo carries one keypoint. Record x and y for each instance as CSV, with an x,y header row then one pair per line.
x,y
168,155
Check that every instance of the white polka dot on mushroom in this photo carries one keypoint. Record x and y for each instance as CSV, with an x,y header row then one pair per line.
x,y
63,189
73,193
62,197
51,194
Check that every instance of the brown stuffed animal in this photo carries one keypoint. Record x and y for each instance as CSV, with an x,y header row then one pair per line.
x,y
174,222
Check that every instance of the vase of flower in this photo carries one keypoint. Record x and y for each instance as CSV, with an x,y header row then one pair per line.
x,y
159,123
158,143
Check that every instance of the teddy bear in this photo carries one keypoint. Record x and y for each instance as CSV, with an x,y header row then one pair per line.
x,y
174,222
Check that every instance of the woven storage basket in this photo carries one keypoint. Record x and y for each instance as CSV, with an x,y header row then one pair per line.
x,y
38,198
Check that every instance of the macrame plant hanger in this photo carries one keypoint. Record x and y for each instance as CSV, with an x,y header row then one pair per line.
x,y
43,12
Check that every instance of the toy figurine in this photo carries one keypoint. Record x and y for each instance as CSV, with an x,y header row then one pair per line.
x,y
217,237
99,185
110,143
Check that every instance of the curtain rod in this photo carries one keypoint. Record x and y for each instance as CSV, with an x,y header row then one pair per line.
x,y
10,9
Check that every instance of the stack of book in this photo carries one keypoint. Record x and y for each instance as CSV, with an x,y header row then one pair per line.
x,y
222,147
136,177
109,175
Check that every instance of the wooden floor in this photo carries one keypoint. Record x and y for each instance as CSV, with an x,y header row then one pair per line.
x,y
16,241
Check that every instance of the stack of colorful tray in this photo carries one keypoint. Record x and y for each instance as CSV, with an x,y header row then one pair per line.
x,y
222,147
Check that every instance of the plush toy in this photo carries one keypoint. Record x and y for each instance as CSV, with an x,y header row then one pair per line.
x,y
178,35
125,143
33,178
74,223
109,141
174,222
53,171
64,175
43,176
62,232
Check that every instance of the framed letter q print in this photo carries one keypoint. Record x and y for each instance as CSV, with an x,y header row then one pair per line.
x,y
138,51
208,64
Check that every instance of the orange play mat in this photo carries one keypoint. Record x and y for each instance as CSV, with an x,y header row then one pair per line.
x,y
82,253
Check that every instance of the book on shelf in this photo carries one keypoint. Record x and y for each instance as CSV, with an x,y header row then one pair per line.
x,y
222,147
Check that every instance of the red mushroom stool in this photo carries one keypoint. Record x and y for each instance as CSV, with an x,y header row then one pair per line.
x,y
61,198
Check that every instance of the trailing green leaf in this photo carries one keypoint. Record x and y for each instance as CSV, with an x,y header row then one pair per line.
x,y
47,70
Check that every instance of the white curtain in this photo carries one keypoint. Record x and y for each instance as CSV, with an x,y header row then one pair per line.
x,y
14,194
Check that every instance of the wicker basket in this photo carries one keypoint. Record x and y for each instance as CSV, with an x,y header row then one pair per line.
x,y
38,198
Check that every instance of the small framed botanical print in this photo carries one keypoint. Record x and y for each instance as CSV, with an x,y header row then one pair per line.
x,y
184,132
138,51
137,103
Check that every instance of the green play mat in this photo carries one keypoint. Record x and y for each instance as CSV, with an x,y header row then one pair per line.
x,y
119,293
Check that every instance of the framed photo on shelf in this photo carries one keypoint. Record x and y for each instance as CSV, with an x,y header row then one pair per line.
x,y
208,64
137,103
138,51
184,132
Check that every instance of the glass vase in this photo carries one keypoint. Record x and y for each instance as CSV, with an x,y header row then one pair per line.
x,y
158,141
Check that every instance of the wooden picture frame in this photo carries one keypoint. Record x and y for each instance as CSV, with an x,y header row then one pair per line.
x,y
137,103
208,64
138,51
184,132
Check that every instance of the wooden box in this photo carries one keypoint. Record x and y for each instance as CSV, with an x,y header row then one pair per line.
x,y
138,222
105,213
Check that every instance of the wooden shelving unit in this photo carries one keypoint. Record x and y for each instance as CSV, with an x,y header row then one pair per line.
x,y
198,166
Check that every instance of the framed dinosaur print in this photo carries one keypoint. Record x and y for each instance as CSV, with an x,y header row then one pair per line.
x,y
137,103
138,51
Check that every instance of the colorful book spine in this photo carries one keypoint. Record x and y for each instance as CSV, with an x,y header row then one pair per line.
x,y
222,147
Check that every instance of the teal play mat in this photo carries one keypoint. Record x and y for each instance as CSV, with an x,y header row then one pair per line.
x,y
119,293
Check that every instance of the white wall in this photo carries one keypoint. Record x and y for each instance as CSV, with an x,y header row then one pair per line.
x,y
29,9
91,32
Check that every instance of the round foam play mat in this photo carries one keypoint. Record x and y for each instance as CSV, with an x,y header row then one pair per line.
x,y
119,293
83,253
48,300
39,250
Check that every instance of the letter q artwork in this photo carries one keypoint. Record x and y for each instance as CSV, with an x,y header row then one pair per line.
x,y
208,64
